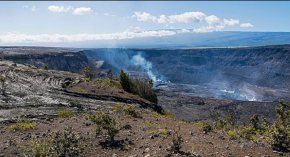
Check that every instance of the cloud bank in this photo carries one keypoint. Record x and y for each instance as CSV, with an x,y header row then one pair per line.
x,y
58,38
67,9
213,23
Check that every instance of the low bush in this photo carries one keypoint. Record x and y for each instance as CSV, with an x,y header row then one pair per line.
x,y
22,126
177,142
132,111
128,110
280,133
88,73
105,122
41,148
233,134
65,114
110,83
67,143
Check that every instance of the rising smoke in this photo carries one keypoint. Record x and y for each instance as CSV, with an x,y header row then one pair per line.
x,y
138,60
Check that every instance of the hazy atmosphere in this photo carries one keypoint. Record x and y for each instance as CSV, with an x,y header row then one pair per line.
x,y
145,78
90,24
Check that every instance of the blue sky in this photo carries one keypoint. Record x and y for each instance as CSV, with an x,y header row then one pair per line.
x,y
34,22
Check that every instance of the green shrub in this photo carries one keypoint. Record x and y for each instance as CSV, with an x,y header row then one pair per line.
x,y
66,144
3,84
65,114
138,87
206,128
125,82
160,132
247,132
231,119
233,134
254,120
280,133
41,148
110,83
177,141
88,73
220,124
128,110
22,126
45,67
144,90
132,111
105,122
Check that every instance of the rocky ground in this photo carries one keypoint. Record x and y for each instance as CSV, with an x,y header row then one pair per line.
x,y
38,103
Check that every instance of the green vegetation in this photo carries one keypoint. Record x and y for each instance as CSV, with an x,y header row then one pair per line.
x,y
41,148
128,110
206,127
138,87
88,73
176,142
65,114
3,84
110,74
107,123
110,83
62,144
67,143
280,133
160,133
45,67
164,114
233,134
22,126
132,111
125,82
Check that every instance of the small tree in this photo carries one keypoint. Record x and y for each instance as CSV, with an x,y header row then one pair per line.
x,y
176,142
88,73
255,122
281,129
110,74
3,84
45,67
105,122
231,119
125,82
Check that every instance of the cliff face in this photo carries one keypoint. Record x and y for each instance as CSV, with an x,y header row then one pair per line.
x,y
267,66
72,60
256,73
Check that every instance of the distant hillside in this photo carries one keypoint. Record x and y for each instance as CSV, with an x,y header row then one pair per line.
x,y
189,40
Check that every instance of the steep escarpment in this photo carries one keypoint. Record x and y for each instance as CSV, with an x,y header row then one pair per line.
x,y
267,66
245,73
55,58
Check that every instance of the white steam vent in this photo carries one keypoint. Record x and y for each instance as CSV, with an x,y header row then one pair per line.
x,y
138,60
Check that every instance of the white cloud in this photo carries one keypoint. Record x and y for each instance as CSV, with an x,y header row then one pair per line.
x,y
108,14
178,18
31,8
214,23
59,38
212,19
231,22
162,19
59,9
186,17
144,17
246,25
82,10
210,28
